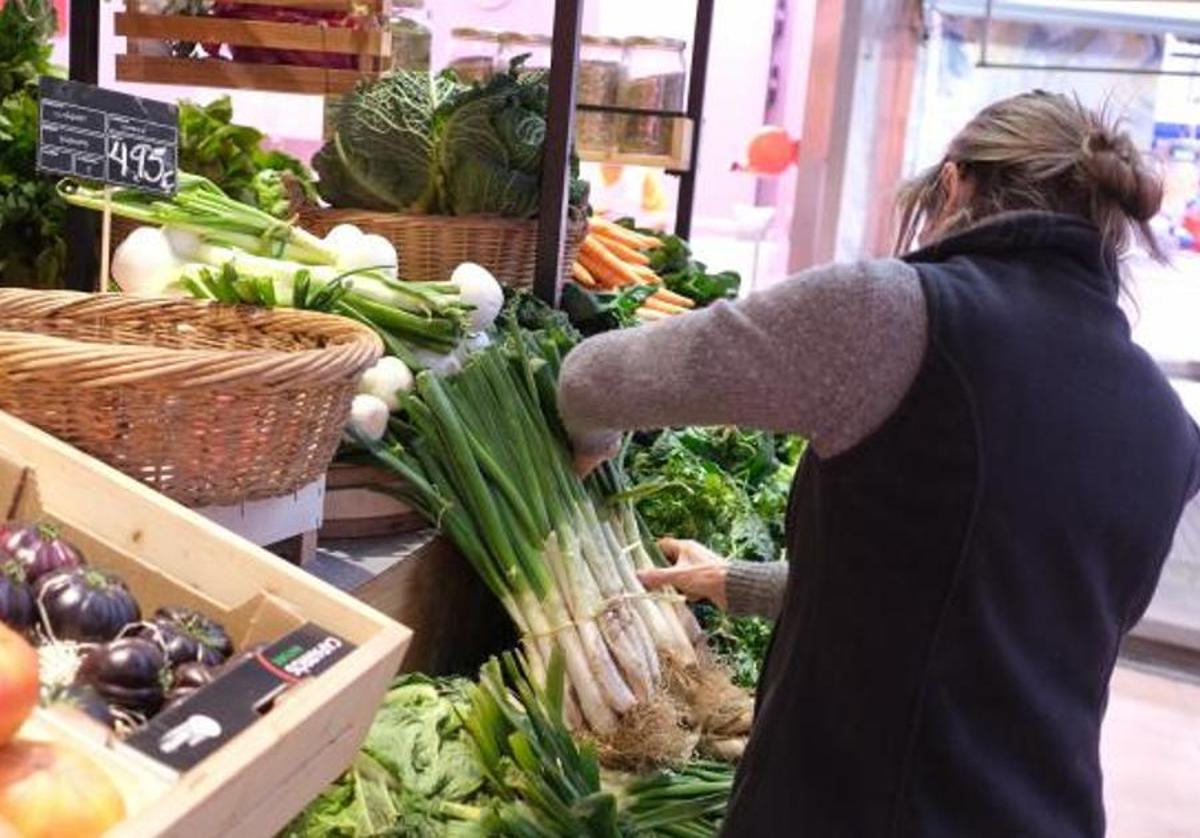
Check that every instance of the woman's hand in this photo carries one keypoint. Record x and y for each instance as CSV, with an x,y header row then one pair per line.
x,y
696,571
586,463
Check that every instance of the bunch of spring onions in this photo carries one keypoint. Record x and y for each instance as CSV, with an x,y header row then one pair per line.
x,y
550,784
486,462
203,243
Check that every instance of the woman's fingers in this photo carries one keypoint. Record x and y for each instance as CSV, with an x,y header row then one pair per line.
x,y
705,581
671,549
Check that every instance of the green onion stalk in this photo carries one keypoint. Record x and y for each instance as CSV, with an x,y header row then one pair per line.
x,y
484,460
550,784
235,253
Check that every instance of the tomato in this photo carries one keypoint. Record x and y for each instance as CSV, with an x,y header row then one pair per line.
x,y
52,791
18,682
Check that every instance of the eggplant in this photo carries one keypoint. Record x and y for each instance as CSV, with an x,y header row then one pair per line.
x,y
87,701
39,549
17,609
191,636
85,604
187,678
130,673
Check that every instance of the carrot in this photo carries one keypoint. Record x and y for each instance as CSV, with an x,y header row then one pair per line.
x,y
596,252
582,275
665,308
647,274
668,296
624,235
649,315
601,273
623,251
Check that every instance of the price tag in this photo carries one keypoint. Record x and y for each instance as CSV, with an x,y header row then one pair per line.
x,y
101,135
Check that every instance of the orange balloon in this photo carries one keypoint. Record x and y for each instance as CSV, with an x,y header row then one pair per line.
x,y
771,150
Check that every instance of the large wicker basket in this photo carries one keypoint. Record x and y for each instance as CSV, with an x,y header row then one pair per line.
x,y
209,404
430,247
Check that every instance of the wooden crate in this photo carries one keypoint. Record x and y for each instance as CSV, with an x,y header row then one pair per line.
x,y
359,505
372,46
258,780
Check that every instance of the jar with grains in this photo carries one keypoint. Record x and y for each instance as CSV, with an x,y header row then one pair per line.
x,y
537,47
655,79
473,54
412,35
600,70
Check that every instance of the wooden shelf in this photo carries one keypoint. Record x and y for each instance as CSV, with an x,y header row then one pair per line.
x,y
254,33
678,160
650,161
211,72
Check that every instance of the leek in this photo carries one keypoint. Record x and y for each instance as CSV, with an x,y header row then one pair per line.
x,y
486,462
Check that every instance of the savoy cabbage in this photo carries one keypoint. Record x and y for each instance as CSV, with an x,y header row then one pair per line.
x,y
419,143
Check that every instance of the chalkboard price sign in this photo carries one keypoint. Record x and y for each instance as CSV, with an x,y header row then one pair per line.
x,y
97,134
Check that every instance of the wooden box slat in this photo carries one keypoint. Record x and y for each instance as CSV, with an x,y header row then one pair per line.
x,y
211,72
255,33
258,780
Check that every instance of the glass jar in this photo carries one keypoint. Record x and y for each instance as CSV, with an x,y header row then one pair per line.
x,y
514,44
600,71
655,79
473,54
412,35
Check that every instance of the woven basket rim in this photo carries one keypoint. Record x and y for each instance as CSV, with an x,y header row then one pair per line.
x,y
574,217
104,363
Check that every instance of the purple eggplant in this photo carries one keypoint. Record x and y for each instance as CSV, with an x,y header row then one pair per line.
x,y
86,700
130,673
17,610
191,636
187,678
38,548
85,604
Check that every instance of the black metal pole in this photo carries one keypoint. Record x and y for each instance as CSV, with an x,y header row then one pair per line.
x,y
82,226
695,109
556,154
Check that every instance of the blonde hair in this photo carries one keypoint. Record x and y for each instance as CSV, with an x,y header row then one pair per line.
x,y
1041,151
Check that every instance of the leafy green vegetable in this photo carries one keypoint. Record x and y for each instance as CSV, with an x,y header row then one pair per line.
x,y
232,157
416,775
723,487
417,143
383,154
672,260
727,489
32,250
593,312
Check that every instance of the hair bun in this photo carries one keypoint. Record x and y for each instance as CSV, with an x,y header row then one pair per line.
x,y
1115,168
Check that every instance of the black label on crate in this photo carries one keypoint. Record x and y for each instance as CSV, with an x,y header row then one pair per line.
x,y
97,134
187,733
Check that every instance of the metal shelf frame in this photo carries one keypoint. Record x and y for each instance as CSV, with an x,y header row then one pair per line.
x,y
83,228
560,125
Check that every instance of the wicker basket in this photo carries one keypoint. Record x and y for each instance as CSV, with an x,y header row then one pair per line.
x,y
430,247
208,404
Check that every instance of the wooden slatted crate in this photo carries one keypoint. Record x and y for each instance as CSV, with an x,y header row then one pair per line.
x,y
258,780
371,46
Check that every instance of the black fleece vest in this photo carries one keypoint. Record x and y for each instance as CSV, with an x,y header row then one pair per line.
x,y
960,581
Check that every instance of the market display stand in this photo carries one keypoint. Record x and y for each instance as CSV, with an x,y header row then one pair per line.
x,y
373,46
253,784
420,580
560,126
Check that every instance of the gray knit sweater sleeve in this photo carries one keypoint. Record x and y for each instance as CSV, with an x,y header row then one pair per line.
x,y
828,354
755,589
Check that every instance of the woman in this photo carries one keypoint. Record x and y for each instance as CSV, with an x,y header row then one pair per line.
x,y
996,476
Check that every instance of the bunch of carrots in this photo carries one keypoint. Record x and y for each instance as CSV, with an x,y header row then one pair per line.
x,y
613,257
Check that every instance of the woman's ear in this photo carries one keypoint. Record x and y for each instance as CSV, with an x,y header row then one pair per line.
x,y
952,188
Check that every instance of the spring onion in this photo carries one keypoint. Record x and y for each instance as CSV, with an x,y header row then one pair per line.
x,y
486,463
